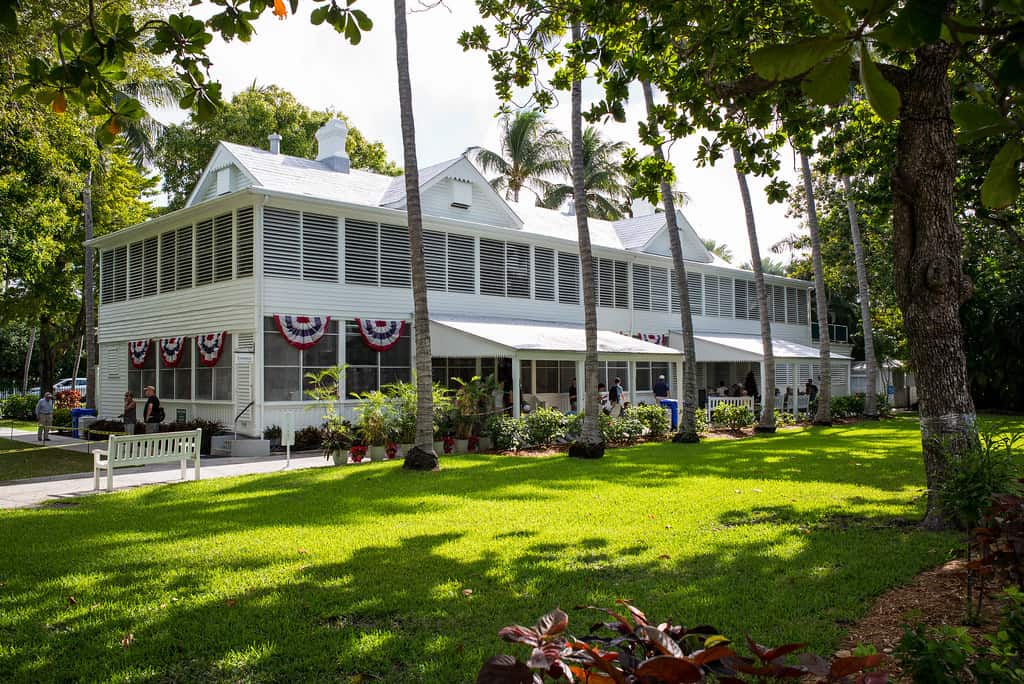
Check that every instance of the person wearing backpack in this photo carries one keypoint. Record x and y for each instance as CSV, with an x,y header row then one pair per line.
x,y
153,413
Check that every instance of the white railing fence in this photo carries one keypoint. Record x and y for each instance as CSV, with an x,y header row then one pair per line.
x,y
734,401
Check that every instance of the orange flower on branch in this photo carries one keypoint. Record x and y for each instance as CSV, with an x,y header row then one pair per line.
x,y
280,11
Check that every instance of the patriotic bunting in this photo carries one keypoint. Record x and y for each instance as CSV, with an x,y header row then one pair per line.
x,y
654,338
210,346
171,349
380,335
302,332
138,350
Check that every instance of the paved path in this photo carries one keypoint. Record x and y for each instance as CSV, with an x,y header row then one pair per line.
x,y
47,490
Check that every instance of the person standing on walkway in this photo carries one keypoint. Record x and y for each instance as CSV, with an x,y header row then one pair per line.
x,y
130,415
152,413
44,414
572,396
615,398
661,388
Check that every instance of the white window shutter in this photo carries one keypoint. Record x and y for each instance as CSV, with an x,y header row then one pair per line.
x,y
621,285
224,180
106,276
462,194
435,259
517,270
711,298
319,247
282,237
740,298
244,242
641,287
135,270
361,252
204,252
395,259
753,305
492,267
183,249
168,255
120,273
544,268
568,278
725,292
223,247
461,263
151,265
659,288
801,309
695,291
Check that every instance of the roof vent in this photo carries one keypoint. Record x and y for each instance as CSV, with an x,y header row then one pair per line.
x,y
462,194
330,140
275,143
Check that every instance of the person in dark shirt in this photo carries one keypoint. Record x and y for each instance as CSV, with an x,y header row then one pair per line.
x,y
151,414
812,390
572,395
750,384
661,388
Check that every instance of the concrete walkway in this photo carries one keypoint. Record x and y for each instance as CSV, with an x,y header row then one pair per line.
x,y
42,491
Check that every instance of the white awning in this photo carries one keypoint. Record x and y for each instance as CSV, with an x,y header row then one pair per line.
x,y
472,336
749,348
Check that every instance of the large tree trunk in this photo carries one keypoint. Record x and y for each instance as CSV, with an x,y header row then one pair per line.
x,y
823,416
421,456
930,282
871,363
767,420
590,444
688,427
28,361
89,298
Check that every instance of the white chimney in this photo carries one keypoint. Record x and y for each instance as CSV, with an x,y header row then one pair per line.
x,y
641,207
330,140
275,143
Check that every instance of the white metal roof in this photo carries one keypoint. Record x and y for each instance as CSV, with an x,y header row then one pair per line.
x,y
524,335
749,346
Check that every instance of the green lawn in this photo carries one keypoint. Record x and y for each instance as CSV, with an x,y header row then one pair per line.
x,y
35,462
317,575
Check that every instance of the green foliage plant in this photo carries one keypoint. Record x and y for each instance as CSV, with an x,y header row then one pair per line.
x,y
655,419
622,430
308,438
544,426
471,403
732,416
442,402
403,411
508,433
974,476
935,656
701,417
20,406
783,418
62,419
373,418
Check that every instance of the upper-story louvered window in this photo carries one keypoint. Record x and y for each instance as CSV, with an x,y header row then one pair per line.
x,y
106,276
544,269
151,266
492,267
712,301
319,247
282,239
120,273
395,257
183,248
136,267
223,247
801,311
659,288
791,305
568,278
244,243
740,298
642,287
204,252
673,291
461,263
435,259
621,285
167,258
604,285
753,311
361,253
695,289
517,269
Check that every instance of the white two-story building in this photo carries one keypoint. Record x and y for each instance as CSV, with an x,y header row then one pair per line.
x,y
268,271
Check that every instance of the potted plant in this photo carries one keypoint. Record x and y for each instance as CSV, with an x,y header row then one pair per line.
x,y
272,434
472,403
403,414
442,416
373,422
357,454
335,440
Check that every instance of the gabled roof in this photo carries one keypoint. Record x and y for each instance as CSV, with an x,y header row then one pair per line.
x,y
637,232
396,191
650,234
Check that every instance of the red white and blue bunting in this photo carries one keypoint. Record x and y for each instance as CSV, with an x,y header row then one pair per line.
x,y
138,351
380,335
170,350
210,346
654,338
302,332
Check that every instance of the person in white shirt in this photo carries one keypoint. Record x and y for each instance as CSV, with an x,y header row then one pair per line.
x,y
44,414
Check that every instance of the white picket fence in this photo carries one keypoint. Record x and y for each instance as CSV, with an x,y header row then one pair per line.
x,y
733,401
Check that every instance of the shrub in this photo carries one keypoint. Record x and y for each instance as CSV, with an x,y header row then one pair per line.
x,y
622,430
308,438
574,426
272,433
936,657
972,478
62,419
654,418
209,428
20,406
783,418
545,426
701,419
99,429
849,406
68,399
732,416
509,434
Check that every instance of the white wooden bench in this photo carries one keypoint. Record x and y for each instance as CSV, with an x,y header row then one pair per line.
x,y
132,450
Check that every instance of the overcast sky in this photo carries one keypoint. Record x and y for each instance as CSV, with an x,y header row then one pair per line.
x,y
454,103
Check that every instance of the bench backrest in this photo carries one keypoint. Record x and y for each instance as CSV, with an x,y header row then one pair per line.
x,y
165,446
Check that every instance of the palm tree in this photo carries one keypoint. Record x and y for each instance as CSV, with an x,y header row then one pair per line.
x,y
767,420
719,249
823,416
590,444
603,179
688,428
421,456
531,151
769,266
870,393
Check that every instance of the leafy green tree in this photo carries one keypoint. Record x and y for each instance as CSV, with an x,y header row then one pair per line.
x,y
719,249
769,266
532,151
603,177
248,118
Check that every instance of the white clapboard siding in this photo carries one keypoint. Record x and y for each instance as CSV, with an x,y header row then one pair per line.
x,y
244,242
361,252
106,276
659,288
281,243
435,259
204,252
461,263
136,268
167,260
568,278
183,267
319,247
492,267
223,249
642,287
396,269
544,269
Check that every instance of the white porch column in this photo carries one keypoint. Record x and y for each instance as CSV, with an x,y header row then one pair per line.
x,y
764,386
677,387
517,403
631,371
581,386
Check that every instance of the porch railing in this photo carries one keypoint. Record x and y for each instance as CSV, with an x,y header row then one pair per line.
x,y
714,401
836,333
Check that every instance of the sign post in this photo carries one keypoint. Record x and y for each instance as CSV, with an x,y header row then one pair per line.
x,y
288,436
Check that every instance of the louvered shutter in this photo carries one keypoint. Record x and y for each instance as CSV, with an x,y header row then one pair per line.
x,y
641,287
244,242
725,292
783,378
361,252
711,298
492,267
223,247
673,292
695,290
135,270
435,259
839,377
204,252
151,265
106,276
544,270
517,270
461,263
394,257
568,278
659,288
167,259
120,274
319,248
740,298
801,308
282,241
778,304
753,305
183,248
621,285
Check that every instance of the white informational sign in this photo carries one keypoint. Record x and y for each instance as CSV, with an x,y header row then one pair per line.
x,y
288,429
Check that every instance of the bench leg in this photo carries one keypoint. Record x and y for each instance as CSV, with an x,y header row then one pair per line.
x,y
195,461
183,464
110,478
95,478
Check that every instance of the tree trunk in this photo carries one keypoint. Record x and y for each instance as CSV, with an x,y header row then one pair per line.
x,y
823,416
78,362
688,426
422,456
930,283
28,361
871,392
89,297
767,420
590,444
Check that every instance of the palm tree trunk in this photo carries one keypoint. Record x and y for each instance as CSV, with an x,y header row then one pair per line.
x,y
28,361
78,363
767,420
688,427
590,445
422,456
871,392
823,416
88,297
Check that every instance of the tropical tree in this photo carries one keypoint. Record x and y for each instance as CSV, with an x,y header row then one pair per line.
x,y
870,361
719,249
768,265
604,181
823,415
532,151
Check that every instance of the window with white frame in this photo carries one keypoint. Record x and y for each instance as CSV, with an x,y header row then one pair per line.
x,y
176,382
444,369
647,373
141,377
285,366
213,383
554,377
369,370
607,371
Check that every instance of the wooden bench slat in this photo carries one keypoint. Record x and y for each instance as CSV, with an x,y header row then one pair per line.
x,y
131,450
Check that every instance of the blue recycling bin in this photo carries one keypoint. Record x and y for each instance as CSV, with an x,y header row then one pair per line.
x,y
673,408
77,413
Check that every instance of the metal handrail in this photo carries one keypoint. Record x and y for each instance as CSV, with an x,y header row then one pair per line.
x,y
235,422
